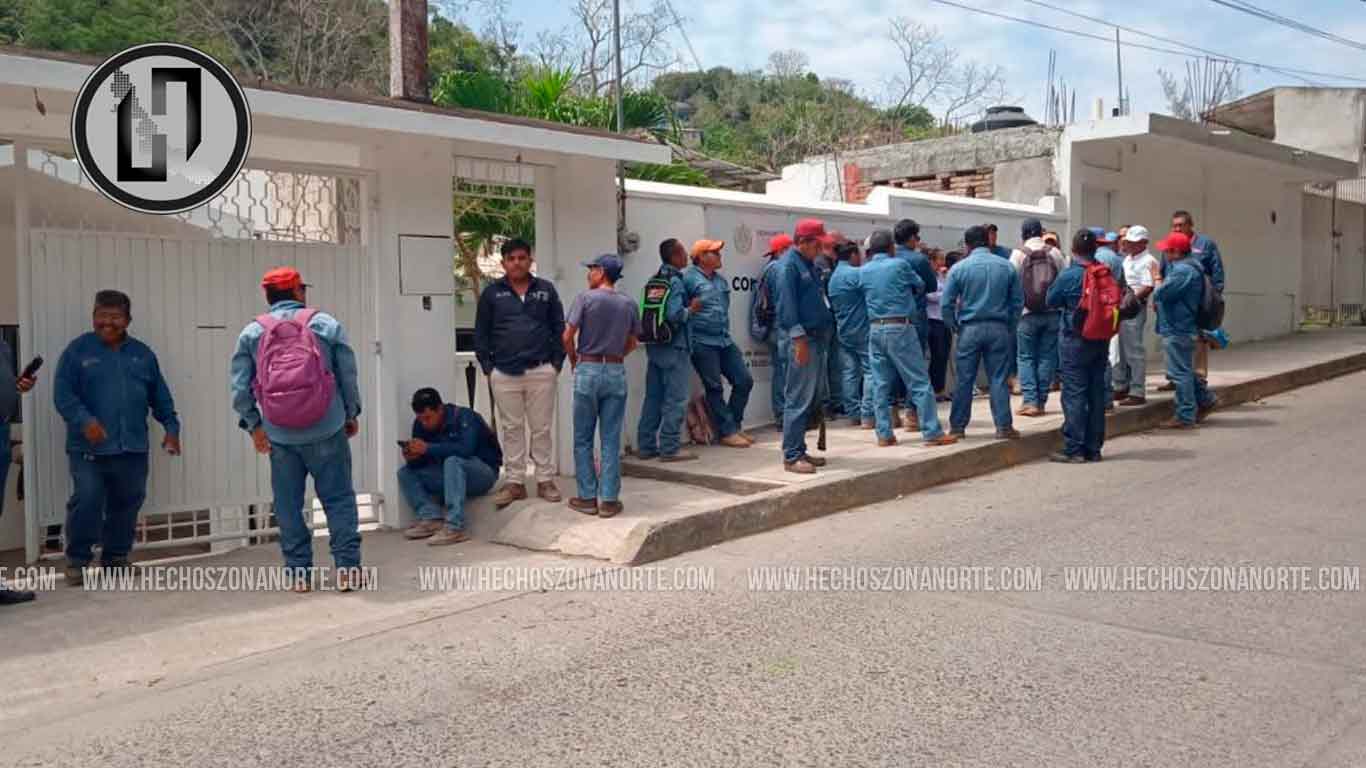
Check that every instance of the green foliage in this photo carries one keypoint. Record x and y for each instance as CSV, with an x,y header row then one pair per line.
x,y
100,27
674,173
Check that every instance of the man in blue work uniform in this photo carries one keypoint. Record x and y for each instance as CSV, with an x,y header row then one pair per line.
x,y
805,327
1106,242
993,232
906,233
892,290
1084,362
714,354
667,377
11,387
1178,302
105,384
320,450
851,324
453,456
1204,253
778,246
1036,342
982,301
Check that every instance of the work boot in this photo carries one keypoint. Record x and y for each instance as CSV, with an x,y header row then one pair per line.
x,y
910,420
942,440
814,461
509,493
1167,386
961,434
75,574
1063,458
610,509
422,529
1119,394
747,437
800,466
1008,434
351,579
548,491
1203,412
1175,423
886,442
670,458
586,506
734,441
448,536
1133,400
1031,411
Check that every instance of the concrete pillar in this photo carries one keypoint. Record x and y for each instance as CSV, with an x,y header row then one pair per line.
x,y
408,49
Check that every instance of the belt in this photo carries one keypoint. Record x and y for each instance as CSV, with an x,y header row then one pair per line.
x,y
891,321
616,359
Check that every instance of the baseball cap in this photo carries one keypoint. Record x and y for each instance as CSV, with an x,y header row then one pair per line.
x,y
1136,234
283,279
610,264
1175,241
809,228
1101,235
706,246
779,243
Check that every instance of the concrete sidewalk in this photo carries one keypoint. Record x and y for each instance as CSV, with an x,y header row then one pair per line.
x,y
861,473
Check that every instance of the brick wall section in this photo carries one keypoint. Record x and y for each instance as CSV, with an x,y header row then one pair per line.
x,y
974,183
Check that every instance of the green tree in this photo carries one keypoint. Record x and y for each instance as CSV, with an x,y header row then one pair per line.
x,y
100,27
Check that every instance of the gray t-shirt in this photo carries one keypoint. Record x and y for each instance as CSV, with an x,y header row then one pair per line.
x,y
605,319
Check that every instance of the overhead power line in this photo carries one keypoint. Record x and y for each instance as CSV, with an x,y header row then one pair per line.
x,y
1144,46
1285,21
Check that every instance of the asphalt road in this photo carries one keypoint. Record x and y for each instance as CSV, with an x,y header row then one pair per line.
x,y
738,677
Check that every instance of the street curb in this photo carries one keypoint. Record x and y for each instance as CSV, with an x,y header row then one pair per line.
x,y
793,504
731,485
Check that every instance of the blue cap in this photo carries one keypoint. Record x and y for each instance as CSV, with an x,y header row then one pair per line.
x,y
610,263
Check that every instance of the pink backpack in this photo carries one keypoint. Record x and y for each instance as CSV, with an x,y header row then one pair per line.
x,y
293,386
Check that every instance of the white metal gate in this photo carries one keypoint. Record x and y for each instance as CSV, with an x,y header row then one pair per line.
x,y
191,298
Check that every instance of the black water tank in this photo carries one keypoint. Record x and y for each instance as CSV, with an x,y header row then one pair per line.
x,y
1003,117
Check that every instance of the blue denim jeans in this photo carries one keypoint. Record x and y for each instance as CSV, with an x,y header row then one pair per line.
x,y
778,363
713,364
429,486
599,406
1191,390
108,493
897,355
856,383
834,381
4,462
1084,365
1128,363
982,343
1037,341
802,384
667,376
329,462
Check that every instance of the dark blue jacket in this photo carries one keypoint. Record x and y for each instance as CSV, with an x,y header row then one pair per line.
x,y
802,310
463,433
1065,294
925,271
115,387
1178,298
514,335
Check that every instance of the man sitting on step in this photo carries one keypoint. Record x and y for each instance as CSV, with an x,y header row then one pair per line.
x,y
453,456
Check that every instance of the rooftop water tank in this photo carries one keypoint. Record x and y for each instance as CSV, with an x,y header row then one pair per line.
x,y
1003,117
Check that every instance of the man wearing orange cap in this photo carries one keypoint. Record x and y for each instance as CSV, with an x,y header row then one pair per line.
x,y
1178,302
714,354
766,298
296,388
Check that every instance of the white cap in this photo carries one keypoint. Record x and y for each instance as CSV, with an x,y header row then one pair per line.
x,y
1136,234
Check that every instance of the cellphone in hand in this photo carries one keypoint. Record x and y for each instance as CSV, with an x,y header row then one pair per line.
x,y
32,367
404,444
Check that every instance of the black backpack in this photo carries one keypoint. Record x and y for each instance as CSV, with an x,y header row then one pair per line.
x,y
1038,273
654,302
1210,315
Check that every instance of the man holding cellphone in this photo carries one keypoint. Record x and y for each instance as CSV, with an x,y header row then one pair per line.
x,y
10,390
453,456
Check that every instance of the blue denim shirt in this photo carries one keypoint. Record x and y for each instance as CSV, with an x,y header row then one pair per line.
x,y
1114,261
1205,255
711,326
676,309
1178,298
1000,250
801,304
851,309
1065,294
925,271
989,289
891,287
338,358
462,433
115,387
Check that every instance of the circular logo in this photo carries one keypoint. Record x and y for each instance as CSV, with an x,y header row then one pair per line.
x,y
161,128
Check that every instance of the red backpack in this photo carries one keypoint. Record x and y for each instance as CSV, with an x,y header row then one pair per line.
x,y
1100,298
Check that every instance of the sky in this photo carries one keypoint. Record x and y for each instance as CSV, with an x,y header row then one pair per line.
x,y
849,40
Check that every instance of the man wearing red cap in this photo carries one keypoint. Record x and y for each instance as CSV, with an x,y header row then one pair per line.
x,y
805,327
1178,302
766,304
297,391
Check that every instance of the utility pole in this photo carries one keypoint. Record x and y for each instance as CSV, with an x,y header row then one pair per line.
x,y
1119,72
621,123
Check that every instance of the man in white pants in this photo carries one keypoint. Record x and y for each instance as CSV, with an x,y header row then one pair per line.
x,y
517,339
1127,350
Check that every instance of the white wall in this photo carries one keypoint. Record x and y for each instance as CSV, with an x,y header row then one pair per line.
x,y
1323,120
1322,284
